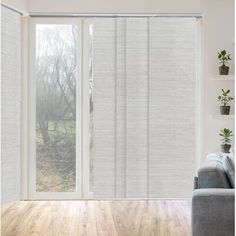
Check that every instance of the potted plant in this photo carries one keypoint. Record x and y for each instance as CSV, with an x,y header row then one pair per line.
x,y
224,58
225,99
226,134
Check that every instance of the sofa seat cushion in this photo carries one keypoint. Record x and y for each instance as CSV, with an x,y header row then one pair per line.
x,y
229,168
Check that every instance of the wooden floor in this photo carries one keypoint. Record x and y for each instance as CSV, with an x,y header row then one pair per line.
x,y
103,218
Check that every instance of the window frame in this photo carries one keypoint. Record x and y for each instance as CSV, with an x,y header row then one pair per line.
x,y
28,79
82,171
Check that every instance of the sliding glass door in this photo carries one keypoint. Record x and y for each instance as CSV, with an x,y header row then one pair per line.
x,y
113,107
55,109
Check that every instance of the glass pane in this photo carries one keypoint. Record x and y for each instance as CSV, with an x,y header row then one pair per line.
x,y
56,52
91,108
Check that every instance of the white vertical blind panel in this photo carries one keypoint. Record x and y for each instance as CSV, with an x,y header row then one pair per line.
x,y
120,108
172,93
136,107
10,104
144,106
104,107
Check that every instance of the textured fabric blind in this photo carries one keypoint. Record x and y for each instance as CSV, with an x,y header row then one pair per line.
x,y
136,103
172,95
10,104
104,107
144,75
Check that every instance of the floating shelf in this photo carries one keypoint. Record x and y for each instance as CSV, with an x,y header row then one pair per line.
x,y
223,78
223,117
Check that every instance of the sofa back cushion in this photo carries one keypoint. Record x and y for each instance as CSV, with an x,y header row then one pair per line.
x,y
229,168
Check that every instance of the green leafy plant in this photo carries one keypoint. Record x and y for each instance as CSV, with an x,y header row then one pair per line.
x,y
226,134
223,57
225,97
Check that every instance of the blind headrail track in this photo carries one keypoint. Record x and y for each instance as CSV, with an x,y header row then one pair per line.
x,y
44,14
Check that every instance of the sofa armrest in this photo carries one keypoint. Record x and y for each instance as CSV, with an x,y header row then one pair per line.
x,y
213,212
212,175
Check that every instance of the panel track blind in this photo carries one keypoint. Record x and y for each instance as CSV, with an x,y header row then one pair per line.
x,y
144,101
10,104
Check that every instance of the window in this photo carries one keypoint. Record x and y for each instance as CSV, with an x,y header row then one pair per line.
x,y
56,107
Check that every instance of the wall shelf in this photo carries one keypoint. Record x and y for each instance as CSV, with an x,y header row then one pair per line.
x,y
223,78
223,117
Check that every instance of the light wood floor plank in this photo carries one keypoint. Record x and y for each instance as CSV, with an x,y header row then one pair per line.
x,y
97,218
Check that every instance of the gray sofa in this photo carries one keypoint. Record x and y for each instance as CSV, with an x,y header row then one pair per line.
x,y
213,198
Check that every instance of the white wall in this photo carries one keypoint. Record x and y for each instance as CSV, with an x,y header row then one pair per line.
x,y
21,5
218,30
218,33
114,6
